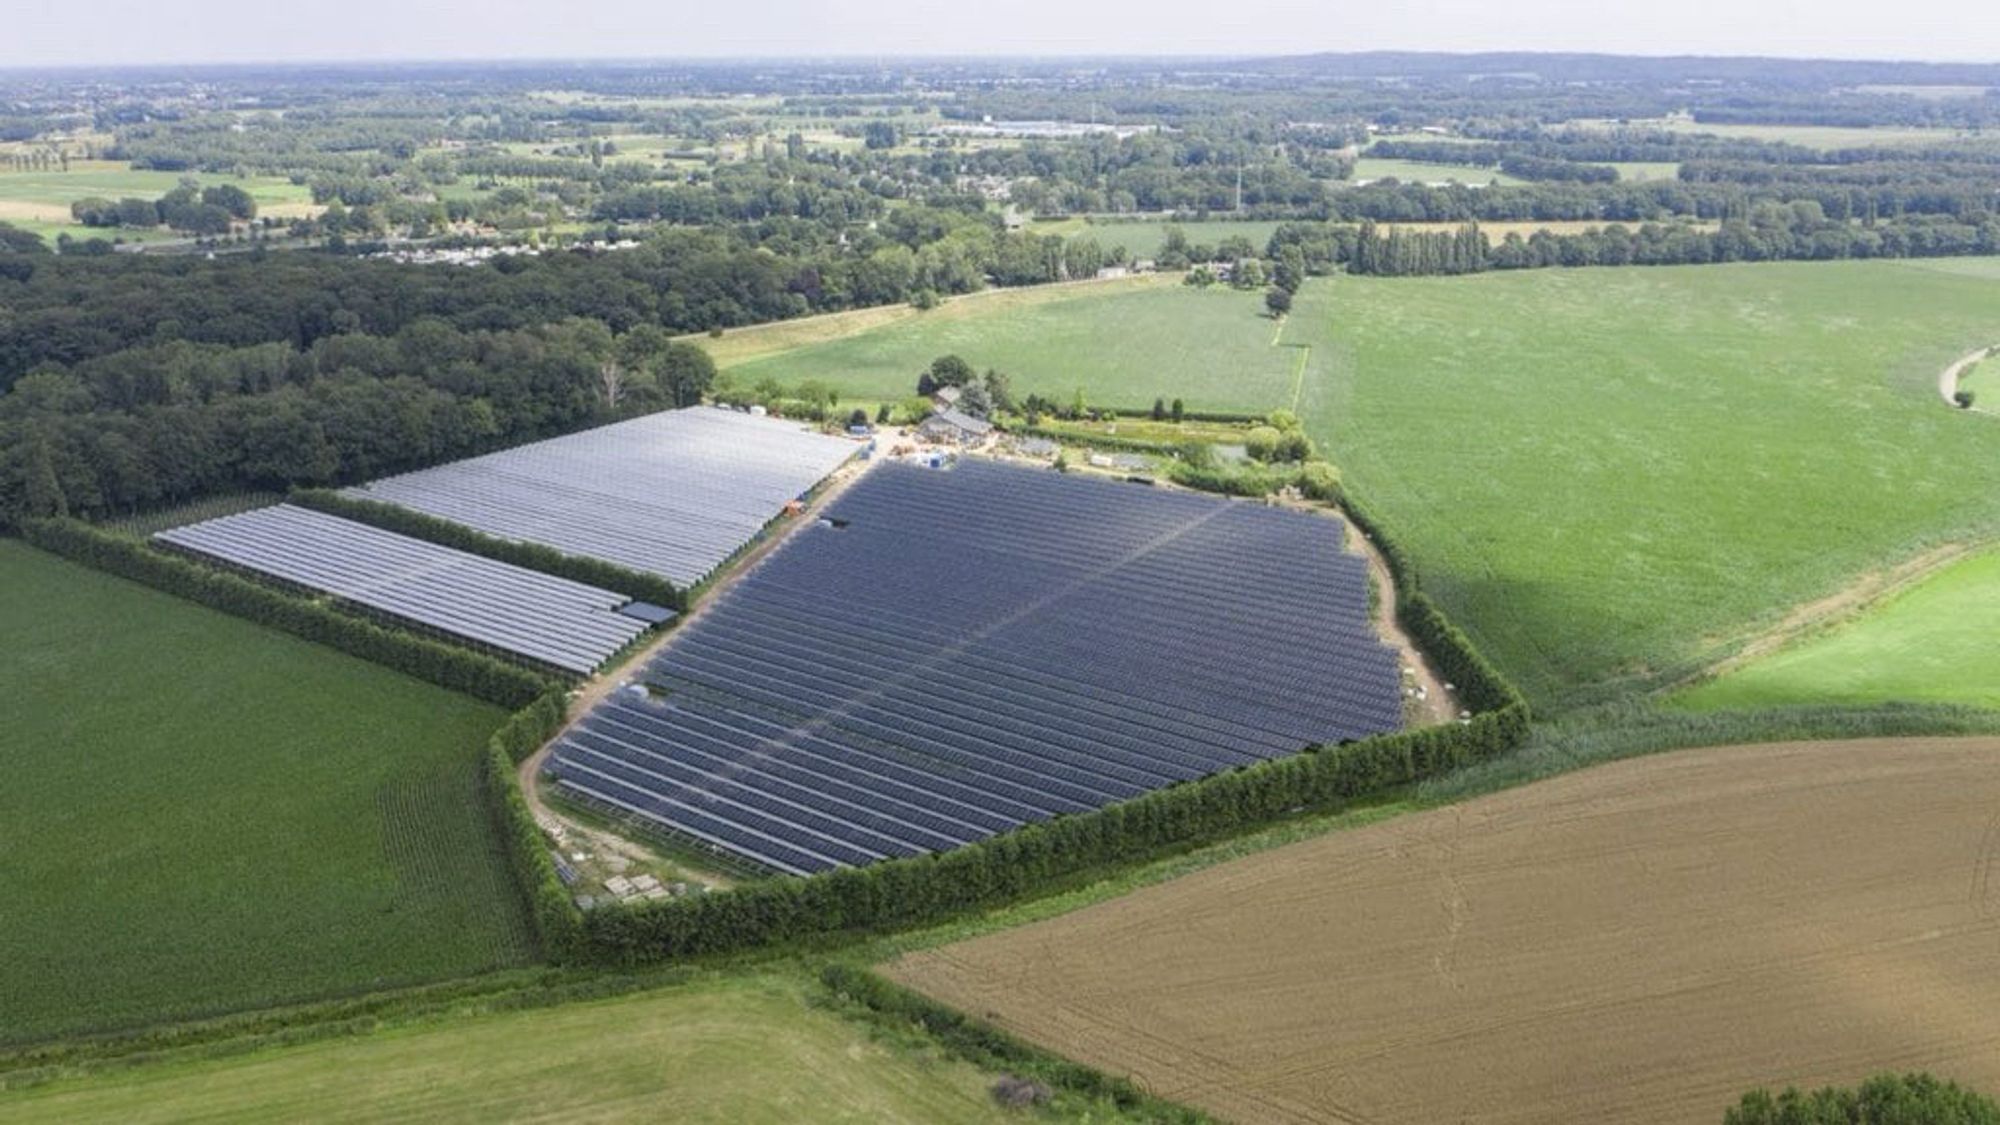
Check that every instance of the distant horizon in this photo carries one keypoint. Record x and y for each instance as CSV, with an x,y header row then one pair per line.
x,y
206,33
892,57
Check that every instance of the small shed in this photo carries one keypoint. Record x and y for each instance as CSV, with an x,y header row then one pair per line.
x,y
954,427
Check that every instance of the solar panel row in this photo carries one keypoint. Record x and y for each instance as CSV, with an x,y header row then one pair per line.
x,y
552,620
674,493
953,654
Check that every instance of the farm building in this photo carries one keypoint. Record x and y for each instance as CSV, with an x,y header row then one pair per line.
x,y
954,427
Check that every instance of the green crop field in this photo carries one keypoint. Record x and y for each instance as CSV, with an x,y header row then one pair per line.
x,y
1415,171
1811,136
1145,238
1610,476
1635,171
1983,380
202,815
1122,345
1932,643
39,201
747,1049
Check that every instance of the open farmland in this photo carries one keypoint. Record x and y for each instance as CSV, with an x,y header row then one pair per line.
x,y
749,1049
39,200
202,815
1145,238
1371,168
1932,643
1611,477
1811,136
1634,943
1983,380
1121,345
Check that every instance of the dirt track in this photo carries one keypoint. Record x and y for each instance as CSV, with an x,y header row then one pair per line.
x,y
1638,942
1948,378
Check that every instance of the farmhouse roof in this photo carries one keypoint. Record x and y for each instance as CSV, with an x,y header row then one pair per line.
x,y
955,424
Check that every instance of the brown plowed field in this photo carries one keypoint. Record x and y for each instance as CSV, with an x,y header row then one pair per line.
x,y
1637,942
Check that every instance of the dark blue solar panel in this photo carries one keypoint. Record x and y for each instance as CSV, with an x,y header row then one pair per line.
x,y
971,650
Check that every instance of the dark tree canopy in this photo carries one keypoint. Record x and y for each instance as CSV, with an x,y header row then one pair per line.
x,y
1886,1099
950,371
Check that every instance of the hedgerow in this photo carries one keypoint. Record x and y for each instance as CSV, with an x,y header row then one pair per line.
x,y
532,556
459,669
556,919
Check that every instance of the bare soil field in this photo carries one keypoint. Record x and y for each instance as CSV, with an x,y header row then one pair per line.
x,y
1638,942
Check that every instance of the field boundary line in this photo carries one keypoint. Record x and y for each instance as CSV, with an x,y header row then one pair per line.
x,y
1299,370
1841,607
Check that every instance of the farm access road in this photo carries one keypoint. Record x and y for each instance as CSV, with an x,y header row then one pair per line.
x,y
1633,943
1948,378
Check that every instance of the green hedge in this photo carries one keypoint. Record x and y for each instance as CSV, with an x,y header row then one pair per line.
x,y
892,1006
551,910
1190,415
1251,480
1097,441
459,669
533,556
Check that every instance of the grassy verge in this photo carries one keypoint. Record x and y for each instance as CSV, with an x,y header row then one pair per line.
x,y
748,1048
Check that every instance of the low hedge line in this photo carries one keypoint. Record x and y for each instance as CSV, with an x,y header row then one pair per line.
x,y
1250,480
449,666
1100,441
533,556
1193,415
554,915
891,1006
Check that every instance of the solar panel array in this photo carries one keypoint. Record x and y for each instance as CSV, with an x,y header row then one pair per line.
x,y
673,494
953,654
550,620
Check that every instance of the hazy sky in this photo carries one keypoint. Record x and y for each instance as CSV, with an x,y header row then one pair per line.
x,y
50,32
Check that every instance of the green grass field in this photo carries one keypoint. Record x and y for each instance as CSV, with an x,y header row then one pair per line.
x,y
1811,136
1639,171
747,1049
1123,345
1983,380
1610,476
1144,238
39,201
202,815
1932,643
1416,171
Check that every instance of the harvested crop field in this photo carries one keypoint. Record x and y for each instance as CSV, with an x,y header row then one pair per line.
x,y
1638,942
